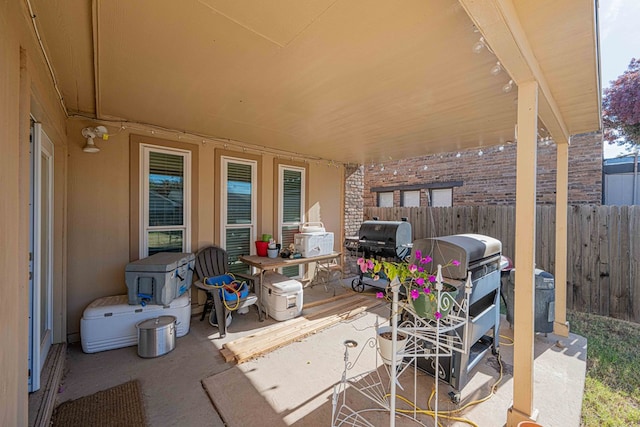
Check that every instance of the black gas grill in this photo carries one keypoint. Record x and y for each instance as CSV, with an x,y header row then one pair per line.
x,y
385,240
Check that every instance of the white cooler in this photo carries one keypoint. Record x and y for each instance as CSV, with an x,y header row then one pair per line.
x,y
110,322
281,296
313,240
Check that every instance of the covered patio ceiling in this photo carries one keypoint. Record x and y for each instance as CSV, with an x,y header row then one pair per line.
x,y
355,81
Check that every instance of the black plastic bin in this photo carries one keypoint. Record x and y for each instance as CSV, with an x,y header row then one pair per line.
x,y
545,298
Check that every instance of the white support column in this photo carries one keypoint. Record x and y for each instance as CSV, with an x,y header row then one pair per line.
x,y
560,325
526,161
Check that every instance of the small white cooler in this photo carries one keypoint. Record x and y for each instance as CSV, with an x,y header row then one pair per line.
x,y
313,240
110,322
281,296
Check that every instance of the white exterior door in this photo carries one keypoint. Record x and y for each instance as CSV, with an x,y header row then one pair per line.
x,y
41,256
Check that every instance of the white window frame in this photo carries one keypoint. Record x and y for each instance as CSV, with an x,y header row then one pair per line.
x,y
435,191
404,194
224,163
145,150
380,199
281,224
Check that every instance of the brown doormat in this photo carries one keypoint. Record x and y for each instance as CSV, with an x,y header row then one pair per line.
x,y
119,406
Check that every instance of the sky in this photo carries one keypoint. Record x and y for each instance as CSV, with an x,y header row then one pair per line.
x,y
619,42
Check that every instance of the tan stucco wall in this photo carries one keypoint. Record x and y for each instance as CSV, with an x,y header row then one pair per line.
x,y
99,217
25,88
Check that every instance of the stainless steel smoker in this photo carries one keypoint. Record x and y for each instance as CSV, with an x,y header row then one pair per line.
x,y
479,255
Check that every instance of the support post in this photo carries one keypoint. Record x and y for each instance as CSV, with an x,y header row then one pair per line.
x,y
526,162
560,324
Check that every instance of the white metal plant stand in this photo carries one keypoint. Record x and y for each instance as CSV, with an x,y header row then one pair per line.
x,y
426,338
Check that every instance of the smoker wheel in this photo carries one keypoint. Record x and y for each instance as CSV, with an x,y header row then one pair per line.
x,y
358,285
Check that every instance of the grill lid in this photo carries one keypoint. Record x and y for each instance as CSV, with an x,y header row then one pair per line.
x,y
385,233
466,248
385,238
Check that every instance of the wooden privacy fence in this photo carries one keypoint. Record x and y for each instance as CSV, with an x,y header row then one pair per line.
x,y
603,248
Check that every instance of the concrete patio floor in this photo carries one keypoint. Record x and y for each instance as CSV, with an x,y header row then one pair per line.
x,y
293,385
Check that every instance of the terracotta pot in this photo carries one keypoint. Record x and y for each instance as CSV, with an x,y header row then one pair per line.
x,y
528,424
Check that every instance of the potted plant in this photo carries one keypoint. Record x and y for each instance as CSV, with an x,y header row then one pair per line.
x,y
420,285
385,345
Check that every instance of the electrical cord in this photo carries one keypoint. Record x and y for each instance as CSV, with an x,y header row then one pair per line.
x,y
450,415
506,338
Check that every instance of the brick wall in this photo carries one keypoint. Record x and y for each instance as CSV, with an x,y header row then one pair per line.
x,y
354,189
490,178
353,209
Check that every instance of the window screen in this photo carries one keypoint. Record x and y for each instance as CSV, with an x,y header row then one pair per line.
x,y
238,193
411,198
442,197
238,210
165,198
291,197
385,199
166,189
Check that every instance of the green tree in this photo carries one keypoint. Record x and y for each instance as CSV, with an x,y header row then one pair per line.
x,y
621,108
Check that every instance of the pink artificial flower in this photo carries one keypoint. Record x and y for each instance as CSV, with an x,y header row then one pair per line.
x,y
380,295
420,269
376,276
432,278
363,267
426,260
420,281
414,293
427,290
455,262
437,315
369,264
418,254
413,268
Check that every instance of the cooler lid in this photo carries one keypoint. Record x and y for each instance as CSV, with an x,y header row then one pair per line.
x,y
312,227
156,323
118,305
161,262
280,284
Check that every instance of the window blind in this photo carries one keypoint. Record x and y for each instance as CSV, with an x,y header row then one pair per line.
x,y
292,196
238,193
237,244
166,189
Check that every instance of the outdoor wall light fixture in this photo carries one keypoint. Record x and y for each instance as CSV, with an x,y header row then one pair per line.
x,y
91,133
508,87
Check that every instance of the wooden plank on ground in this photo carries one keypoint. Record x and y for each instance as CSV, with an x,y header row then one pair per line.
x,y
326,301
333,308
228,355
245,349
312,327
275,332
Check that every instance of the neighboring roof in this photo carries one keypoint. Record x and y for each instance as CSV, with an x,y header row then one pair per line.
x,y
343,80
619,165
